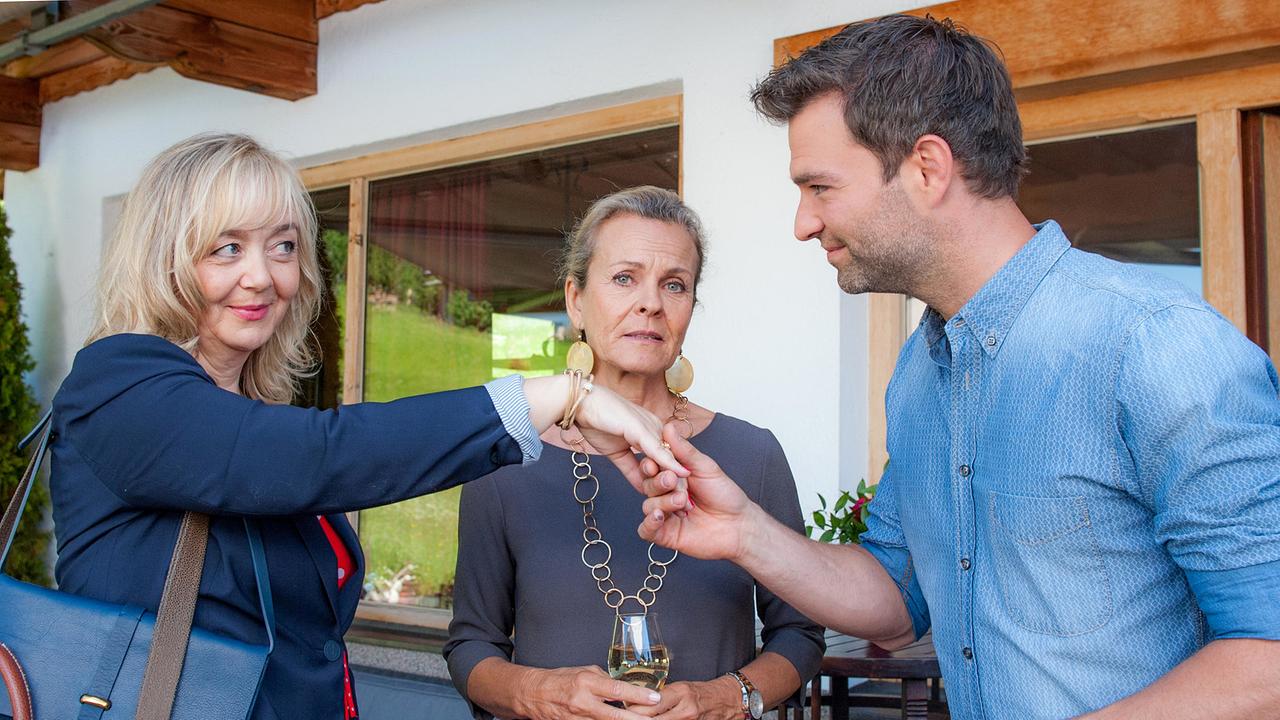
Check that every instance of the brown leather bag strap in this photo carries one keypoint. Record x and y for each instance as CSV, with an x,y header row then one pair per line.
x,y
15,681
17,503
173,620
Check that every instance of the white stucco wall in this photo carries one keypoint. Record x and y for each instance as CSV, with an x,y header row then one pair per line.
x,y
775,342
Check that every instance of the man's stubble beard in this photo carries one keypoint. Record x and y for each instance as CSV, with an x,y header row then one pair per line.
x,y
895,249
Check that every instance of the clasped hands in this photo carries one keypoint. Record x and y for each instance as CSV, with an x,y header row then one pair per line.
x,y
705,515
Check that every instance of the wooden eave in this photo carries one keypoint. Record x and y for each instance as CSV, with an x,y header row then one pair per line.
x,y
262,47
1055,48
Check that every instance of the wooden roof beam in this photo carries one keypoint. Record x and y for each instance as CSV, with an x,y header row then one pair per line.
x,y
19,123
325,8
228,46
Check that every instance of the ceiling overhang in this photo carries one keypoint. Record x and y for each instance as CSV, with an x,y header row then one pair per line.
x,y
262,47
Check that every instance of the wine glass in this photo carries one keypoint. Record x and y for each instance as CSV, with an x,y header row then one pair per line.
x,y
638,655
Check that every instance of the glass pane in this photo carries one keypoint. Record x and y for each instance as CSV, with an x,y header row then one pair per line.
x,y
1132,196
461,290
324,389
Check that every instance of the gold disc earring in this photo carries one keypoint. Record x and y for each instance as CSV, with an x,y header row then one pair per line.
x,y
680,374
580,357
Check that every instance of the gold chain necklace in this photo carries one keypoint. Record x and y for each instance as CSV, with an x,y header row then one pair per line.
x,y
614,598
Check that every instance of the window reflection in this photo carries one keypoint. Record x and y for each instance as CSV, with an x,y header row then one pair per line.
x,y
461,289
324,388
1132,196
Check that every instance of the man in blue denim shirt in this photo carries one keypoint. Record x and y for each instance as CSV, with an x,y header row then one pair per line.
x,y
1083,501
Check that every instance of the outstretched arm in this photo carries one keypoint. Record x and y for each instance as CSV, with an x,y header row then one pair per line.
x,y
841,587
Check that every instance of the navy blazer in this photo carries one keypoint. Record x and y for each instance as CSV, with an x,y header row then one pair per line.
x,y
142,433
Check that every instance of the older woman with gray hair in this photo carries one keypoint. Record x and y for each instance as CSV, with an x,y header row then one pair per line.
x,y
537,595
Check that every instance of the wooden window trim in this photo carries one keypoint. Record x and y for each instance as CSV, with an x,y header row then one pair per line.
x,y
1222,230
568,130
1271,212
376,622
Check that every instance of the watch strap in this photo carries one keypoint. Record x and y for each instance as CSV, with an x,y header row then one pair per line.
x,y
747,689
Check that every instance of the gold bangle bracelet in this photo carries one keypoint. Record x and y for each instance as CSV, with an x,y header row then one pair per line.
x,y
579,387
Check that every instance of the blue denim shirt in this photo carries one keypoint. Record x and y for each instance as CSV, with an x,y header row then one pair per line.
x,y
1084,484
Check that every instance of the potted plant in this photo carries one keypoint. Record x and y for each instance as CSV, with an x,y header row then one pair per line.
x,y
845,521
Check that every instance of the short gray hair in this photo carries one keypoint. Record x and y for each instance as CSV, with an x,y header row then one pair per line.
x,y
644,201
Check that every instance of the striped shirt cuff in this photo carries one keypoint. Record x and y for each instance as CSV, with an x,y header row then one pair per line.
x,y
508,398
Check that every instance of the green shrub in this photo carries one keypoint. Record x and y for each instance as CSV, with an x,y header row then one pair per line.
x,y
334,246
465,312
18,411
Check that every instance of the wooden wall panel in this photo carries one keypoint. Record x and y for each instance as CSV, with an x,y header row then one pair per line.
x,y
1056,47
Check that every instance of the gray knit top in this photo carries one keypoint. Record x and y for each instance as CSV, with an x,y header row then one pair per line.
x,y
523,594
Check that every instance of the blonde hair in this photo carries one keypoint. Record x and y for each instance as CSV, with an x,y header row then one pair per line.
x,y
187,197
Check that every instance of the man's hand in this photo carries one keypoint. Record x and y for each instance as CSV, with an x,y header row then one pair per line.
x,y
706,516
614,426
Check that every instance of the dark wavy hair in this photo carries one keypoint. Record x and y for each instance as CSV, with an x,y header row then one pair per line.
x,y
902,77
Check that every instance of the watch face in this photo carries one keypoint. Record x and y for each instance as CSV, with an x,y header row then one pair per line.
x,y
756,704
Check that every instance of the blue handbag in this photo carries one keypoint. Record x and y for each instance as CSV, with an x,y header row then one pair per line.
x,y
65,656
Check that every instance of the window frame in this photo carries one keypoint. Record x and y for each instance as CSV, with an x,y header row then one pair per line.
x,y
376,621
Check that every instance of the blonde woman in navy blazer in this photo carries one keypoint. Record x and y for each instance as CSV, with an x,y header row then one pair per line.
x,y
179,402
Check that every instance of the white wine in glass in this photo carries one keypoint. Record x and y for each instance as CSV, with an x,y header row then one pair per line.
x,y
638,655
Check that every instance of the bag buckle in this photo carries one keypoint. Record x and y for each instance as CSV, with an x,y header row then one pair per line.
x,y
100,703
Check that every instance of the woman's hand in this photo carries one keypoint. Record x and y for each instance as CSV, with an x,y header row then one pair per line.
x,y
719,699
580,692
614,425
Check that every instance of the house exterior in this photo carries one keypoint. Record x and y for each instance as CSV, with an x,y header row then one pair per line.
x,y
517,112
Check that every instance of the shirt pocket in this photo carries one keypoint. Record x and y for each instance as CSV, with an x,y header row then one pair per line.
x,y
1048,566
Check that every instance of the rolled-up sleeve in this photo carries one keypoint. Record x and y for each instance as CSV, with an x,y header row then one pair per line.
x,y
885,541
785,630
1198,410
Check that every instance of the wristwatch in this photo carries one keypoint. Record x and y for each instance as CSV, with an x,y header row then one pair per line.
x,y
752,701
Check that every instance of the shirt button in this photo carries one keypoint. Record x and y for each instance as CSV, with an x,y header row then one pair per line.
x,y
964,563
991,341
968,653
965,470
332,651
342,573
